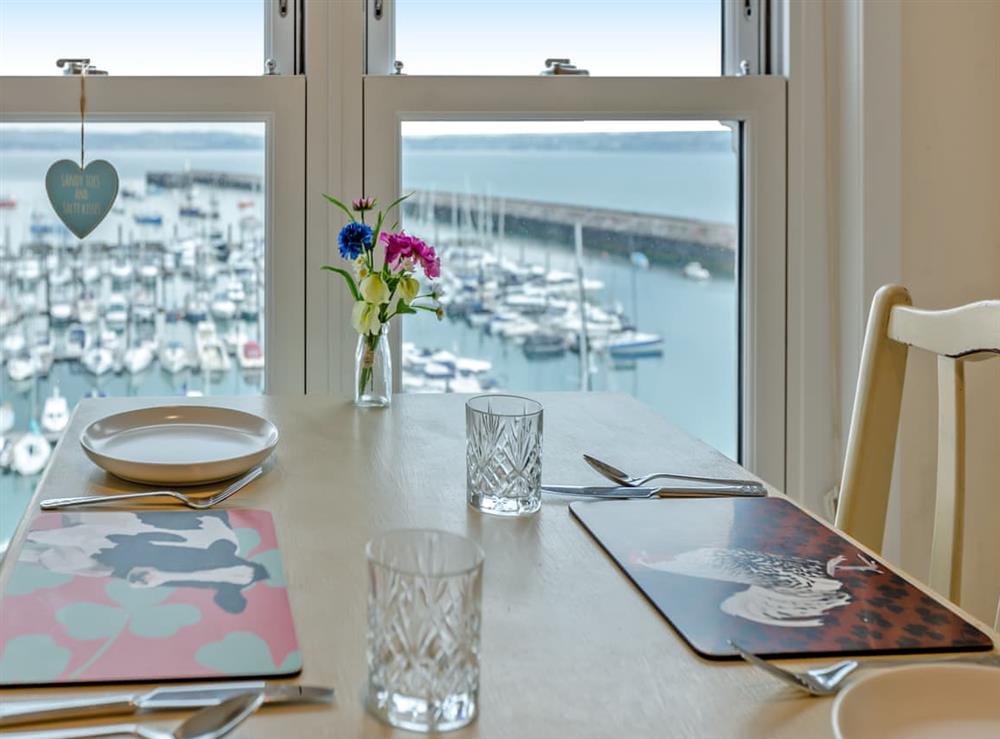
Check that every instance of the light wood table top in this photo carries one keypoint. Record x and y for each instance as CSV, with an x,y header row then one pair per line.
x,y
570,648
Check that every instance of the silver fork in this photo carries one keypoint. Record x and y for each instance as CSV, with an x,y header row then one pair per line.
x,y
623,478
189,501
830,679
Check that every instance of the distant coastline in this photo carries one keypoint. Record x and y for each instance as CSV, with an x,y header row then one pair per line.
x,y
672,141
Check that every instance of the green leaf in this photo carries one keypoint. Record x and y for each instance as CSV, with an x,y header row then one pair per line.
x,y
402,307
271,559
340,205
32,658
87,621
291,663
248,540
238,653
347,276
132,597
28,577
159,622
397,201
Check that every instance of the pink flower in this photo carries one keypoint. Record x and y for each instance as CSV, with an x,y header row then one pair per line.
x,y
401,248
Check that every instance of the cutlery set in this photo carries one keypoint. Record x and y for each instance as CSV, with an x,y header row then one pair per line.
x,y
223,706
627,486
214,722
829,679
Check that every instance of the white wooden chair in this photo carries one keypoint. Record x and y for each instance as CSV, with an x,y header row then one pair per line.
x,y
957,335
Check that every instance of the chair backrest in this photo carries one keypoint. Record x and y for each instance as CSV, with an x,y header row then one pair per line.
x,y
957,335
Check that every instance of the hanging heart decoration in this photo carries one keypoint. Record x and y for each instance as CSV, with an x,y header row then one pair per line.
x,y
82,197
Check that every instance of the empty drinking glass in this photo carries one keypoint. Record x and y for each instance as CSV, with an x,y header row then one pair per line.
x,y
424,613
503,454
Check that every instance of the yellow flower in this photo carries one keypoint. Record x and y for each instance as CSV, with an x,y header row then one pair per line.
x,y
364,318
374,290
408,288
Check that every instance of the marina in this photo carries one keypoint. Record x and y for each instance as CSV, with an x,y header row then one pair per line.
x,y
167,298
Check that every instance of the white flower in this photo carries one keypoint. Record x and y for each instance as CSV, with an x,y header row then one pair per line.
x,y
374,290
364,318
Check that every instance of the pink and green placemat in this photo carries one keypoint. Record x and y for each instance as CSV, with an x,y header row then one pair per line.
x,y
108,596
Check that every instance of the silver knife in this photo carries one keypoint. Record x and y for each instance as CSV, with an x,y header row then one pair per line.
x,y
158,699
672,491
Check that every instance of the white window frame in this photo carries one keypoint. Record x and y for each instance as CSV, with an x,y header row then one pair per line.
x,y
278,102
757,102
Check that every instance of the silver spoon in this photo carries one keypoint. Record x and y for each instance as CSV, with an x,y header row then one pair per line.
x,y
189,501
213,722
830,679
623,478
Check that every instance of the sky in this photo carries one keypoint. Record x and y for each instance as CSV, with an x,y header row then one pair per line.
x,y
225,37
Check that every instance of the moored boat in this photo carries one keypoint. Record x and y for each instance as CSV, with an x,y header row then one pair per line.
x,y
695,271
55,415
30,453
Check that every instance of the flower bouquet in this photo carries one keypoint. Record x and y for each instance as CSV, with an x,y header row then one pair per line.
x,y
381,292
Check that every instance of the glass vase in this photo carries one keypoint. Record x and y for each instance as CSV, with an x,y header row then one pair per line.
x,y
373,371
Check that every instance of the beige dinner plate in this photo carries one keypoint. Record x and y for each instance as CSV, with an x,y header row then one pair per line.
x,y
945,701
179,445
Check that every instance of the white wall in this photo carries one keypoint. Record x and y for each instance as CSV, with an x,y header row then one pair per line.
x,y
951,255
910,191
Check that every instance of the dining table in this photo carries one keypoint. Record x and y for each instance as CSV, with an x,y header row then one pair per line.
x,y
570,647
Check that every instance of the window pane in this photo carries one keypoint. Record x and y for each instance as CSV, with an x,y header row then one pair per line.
x,y
134,37
164,298
645,38
658,206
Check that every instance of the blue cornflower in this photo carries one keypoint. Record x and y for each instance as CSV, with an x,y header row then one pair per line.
x,y
353,238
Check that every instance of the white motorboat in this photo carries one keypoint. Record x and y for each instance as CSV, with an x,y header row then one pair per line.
x,y
6,447
30,453
121,272
144,312
138,358
28,272
14,343
212,354
466,384
61,312
470,366
235,338
43,355
90,274
695,271
438,371
10,313
21,367
149,272
174,357
77,341
223,308
55,415
250,356
544,345
98,360
7,417
116,312
60,276
87,310
634,344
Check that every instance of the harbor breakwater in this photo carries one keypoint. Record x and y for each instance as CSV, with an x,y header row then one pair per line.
x,y
665,240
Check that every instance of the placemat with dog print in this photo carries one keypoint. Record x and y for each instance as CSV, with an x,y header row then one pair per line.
x,y
766,575
109,596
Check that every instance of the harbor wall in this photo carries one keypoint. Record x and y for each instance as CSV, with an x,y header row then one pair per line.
x,y
665,240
